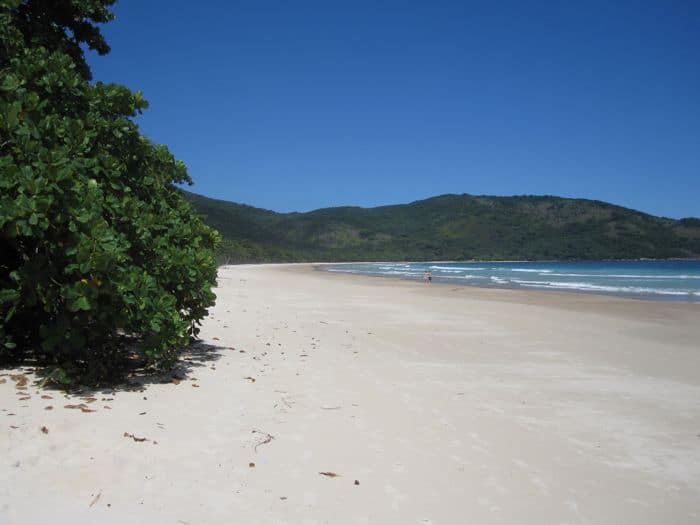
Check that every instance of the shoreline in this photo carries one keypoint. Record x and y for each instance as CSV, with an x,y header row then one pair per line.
x,y
692,298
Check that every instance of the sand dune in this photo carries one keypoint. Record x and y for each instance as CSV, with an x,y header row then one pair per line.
x,y
318,398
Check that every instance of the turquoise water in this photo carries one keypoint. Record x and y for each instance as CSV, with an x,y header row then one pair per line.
x,y
668,280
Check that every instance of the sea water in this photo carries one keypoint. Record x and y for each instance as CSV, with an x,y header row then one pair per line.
x,y
669,280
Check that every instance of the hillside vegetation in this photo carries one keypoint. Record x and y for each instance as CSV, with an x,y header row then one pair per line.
x,y
455,227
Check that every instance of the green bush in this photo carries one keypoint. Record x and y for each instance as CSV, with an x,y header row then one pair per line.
x,y
101,257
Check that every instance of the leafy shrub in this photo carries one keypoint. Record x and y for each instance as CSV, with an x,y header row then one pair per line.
x,y
101,257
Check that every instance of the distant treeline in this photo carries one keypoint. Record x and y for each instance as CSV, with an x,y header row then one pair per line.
x,y
449,227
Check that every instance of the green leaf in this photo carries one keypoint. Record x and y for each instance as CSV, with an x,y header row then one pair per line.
x,y
8,295
10,83
12,113
81,303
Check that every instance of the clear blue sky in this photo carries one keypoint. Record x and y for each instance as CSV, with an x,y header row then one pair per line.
x,y
307,104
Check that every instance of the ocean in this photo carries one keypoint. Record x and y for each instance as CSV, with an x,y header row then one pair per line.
x,y
664,280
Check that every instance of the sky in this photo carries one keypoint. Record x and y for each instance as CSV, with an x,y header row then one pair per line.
x,y
294,106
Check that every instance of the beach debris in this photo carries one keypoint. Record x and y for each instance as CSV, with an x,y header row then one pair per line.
x,y
3,380
82,407
326,407
283,498
142,413
175,381
215,338
107,407
251,379
283,401
329,474
44,430
95,499
48,407
46,397
25,398
195,385
357,482
89,399
20,380
13,426
266,439
137,439
251,465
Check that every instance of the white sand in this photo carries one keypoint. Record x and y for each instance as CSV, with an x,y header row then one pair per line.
x,y
448,405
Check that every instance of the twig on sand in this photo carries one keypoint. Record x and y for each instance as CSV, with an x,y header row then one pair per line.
x,y
137,439
329,474
95,499
265,441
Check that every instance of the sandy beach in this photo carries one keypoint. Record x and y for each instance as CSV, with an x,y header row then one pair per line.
x,y
320,398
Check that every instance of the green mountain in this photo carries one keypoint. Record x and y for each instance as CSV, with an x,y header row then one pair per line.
x,y
449,227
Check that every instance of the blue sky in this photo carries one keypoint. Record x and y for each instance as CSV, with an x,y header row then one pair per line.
x,y
308,104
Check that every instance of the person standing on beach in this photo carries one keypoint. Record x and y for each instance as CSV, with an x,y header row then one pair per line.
x,y
430,277
425,276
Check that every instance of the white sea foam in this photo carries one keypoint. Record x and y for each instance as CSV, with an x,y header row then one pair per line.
x,y
455,268
623,276
602,288
529,270
399,272
499,280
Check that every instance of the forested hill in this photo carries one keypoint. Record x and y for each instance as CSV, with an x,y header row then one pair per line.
x,y
449,227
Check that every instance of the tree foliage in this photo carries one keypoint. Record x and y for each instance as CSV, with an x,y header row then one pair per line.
x,y
101,257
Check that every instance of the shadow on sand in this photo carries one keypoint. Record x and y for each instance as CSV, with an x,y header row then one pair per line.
x,y
137,378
